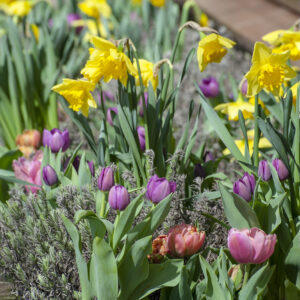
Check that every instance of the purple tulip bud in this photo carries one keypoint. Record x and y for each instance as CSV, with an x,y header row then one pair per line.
x,y
141,135
118,197
208,156
75,163
209,87
244,87
282,171
49,176
106,179
264,170
74,17
159,188
199,171
242,189
141,111
109,116
250,181
56,140
92,167
251,246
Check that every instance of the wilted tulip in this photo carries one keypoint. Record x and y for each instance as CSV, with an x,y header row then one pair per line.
x,y
106,179
141,135
159,188
250,181
109,116
29,141
141,108
184,240
209,87
49,176
282,171
264,170
56,140
251,246
242,189
118,197
159,249
29,170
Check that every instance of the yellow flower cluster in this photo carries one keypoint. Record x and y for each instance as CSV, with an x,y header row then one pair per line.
x,y
16,8
106,62
158,3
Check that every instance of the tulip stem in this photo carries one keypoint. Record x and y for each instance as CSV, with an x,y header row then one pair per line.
x,y
103,204
246,274
256,133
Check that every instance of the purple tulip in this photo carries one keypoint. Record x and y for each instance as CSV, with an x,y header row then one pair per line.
x,y
208,156
209,87
118,197
109,116
56,140
29,170
250,181
264,170
242,189
49,176
91,167
75,163
107,96
282,171
141,108
244,87
251,246
74,17
199,171
106,179
141,135
159,188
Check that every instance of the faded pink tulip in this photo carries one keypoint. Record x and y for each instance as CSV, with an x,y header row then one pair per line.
x,y
29,170
184,240
251,246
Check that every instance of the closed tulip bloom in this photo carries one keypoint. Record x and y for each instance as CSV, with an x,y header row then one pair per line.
x,y
91,167
141,135
56,140
159,188
282,171
109,116
118,197
141,108
251,246
249,180
106,179
184,240
209,87
199,171
244,87
242,189
264,170
49,176
208,156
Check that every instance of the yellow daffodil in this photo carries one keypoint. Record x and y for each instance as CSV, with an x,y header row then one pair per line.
x,y
232,109
263,143
211,49
95,8
35,31
136,2
284,40
94,28
108,62
203,19
268,70
16,8
147,73
294,89
158,3
252,101
77,93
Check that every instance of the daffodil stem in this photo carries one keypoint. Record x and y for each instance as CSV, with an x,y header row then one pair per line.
x,y
297,139
105,126
256,132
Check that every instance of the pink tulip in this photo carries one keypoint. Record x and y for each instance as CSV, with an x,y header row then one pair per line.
x,y
29,170
184,240
251,246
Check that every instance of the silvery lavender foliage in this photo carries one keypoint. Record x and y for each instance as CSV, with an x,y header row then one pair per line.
x,y
36,252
